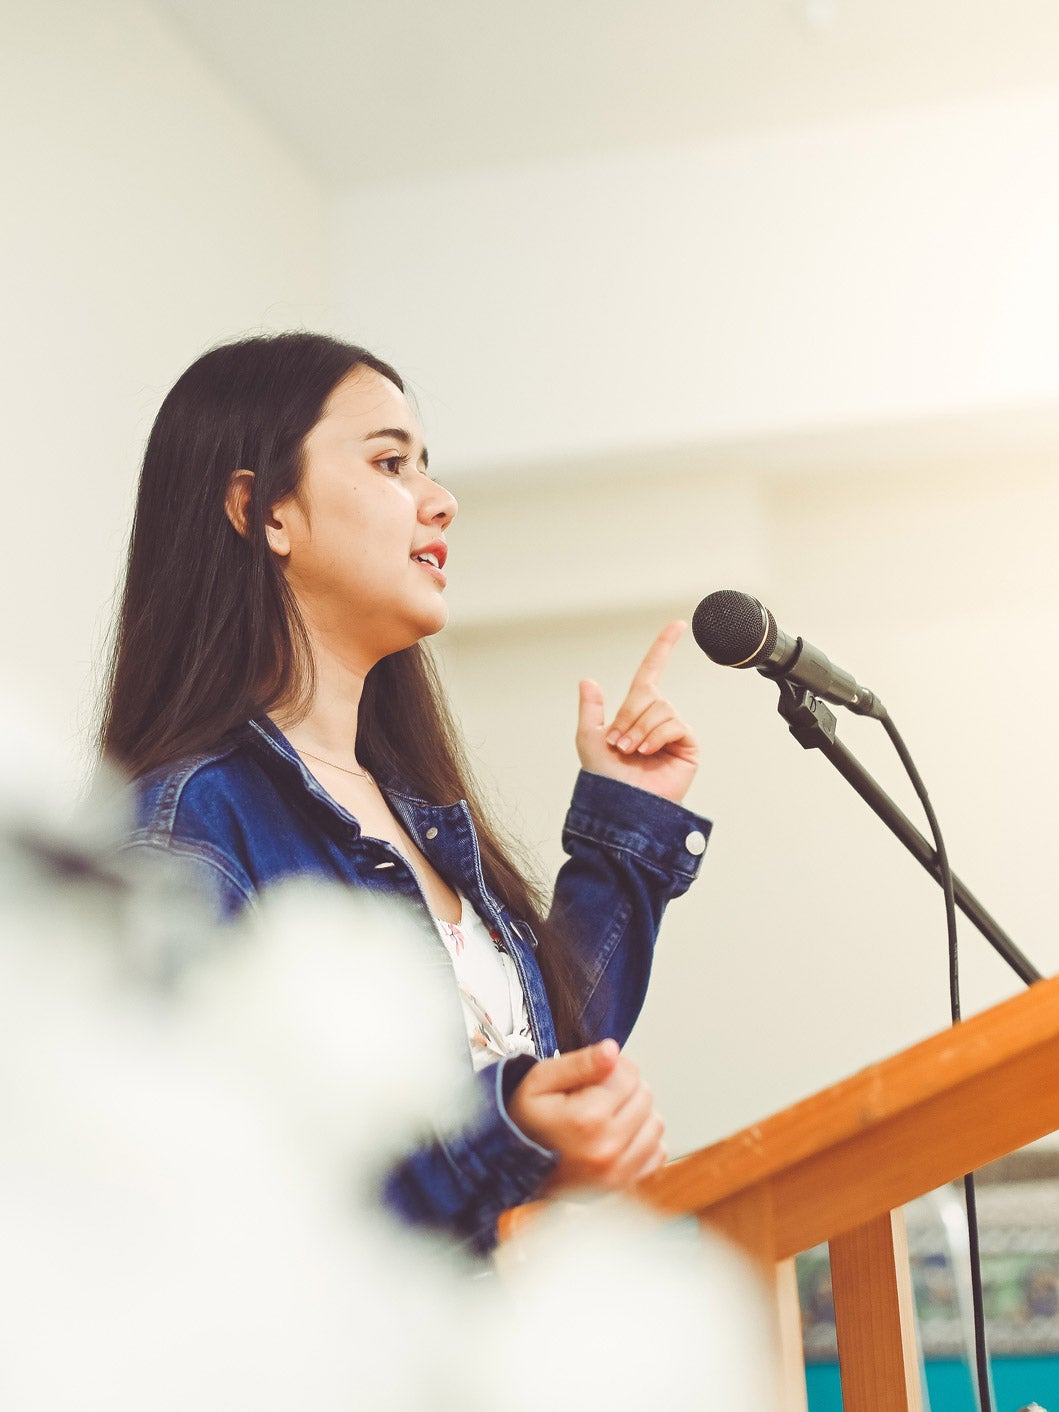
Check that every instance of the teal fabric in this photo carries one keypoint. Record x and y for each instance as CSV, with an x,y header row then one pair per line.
x,y
1016,1382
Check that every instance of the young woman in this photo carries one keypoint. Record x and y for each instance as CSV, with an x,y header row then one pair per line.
x,y
272,696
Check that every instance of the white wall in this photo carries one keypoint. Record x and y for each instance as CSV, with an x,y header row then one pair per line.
x,y
147,215
811,944
896,266
821,365
818,364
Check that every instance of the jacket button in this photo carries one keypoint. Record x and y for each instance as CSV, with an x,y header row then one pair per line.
x,y
695,843
433,833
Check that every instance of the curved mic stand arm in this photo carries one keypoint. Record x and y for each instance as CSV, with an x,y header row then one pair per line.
x,y
813,726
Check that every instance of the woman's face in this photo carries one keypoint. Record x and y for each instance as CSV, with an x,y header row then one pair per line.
x,y
363,537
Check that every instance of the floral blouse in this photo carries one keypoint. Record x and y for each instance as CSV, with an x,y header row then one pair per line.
x,y
494,1003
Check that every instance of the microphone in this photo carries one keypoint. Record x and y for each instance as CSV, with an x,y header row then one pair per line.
x,y
736,630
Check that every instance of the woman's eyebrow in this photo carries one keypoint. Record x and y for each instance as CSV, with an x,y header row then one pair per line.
x,y
398,434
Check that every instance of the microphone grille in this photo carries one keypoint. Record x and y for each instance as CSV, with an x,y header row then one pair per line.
x,y
731,628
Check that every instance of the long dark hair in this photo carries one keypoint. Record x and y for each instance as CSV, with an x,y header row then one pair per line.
x,y
209,634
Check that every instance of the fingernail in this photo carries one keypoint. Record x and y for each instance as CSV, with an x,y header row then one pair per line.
x,y
625,743
612,737
643,749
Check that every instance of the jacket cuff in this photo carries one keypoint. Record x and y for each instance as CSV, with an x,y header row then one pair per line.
x,y
509,1074
495,1155
616,815
465,1179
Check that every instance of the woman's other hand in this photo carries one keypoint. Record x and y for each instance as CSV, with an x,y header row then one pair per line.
x,y
646,744
593,1109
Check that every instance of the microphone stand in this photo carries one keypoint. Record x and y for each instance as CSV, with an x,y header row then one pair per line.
x,y
814,728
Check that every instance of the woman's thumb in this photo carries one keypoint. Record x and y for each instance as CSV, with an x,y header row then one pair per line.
x,y
578,1068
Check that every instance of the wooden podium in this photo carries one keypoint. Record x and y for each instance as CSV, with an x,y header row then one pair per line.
x,y
840,1165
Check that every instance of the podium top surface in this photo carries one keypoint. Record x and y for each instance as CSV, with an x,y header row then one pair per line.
x,y
890,1132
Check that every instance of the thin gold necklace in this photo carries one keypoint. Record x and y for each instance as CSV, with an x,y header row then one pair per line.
x,y
331,765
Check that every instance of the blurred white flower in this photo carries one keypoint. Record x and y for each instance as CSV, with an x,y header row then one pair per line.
x,y
347,1016
192,1125
626,1313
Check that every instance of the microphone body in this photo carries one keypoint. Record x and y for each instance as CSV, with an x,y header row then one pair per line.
x,y
735,630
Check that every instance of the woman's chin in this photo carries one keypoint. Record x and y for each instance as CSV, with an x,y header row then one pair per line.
x,y
437,620
423,626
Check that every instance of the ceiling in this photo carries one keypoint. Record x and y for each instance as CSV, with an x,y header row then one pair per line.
x,y
368,91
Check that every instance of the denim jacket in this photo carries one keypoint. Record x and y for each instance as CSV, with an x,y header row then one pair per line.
x,y
251,814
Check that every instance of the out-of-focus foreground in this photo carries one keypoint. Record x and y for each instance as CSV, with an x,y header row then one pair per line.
x,y
191,1129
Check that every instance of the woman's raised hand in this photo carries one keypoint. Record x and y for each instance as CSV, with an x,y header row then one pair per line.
x,y
646,744
593,1109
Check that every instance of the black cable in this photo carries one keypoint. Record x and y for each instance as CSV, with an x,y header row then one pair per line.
x,y
981,1354
943,864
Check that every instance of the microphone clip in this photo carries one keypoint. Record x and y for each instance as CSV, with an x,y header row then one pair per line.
x,y
809,720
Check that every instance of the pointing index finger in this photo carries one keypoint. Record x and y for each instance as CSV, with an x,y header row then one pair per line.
x,y
653,664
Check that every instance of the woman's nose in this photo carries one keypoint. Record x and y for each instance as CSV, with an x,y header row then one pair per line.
x,y
438,506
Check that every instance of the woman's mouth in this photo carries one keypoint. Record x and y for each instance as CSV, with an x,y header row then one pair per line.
x,y
432,557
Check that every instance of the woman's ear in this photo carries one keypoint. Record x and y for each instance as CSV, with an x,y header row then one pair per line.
x,y
236,500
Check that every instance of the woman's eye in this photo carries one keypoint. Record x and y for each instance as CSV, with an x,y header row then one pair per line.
x,y
392,464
